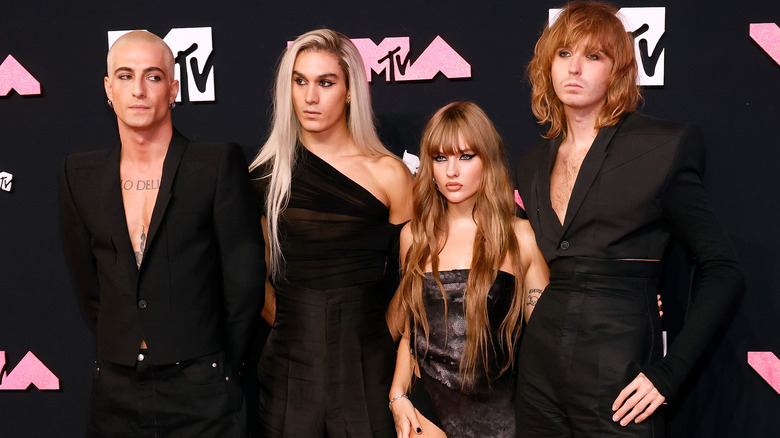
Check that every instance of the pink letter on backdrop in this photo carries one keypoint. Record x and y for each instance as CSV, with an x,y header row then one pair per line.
x,y
767,365
767,35
14,76
30,370
438,57
519,200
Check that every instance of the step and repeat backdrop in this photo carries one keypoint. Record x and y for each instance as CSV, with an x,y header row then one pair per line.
x,y
716,64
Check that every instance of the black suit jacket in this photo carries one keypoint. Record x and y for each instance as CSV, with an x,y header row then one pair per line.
x,y
201,282
640,185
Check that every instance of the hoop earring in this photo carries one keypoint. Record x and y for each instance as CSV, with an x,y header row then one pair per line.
x,y
111,104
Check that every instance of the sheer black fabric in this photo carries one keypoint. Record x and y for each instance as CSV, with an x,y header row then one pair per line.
x,y
487,407
328,363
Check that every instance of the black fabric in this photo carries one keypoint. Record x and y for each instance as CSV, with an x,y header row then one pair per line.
x,y
640,185
200,285
196,398
487,407
328,363
593,328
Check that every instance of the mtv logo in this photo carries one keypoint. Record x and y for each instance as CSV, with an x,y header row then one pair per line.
x,y
13,76
29,371
192,48
648,26
6,180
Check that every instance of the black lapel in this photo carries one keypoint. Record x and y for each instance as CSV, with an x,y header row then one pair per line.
x,y
114,209
543,181
589,170
170,166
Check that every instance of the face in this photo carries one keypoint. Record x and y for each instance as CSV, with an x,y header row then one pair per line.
x,y
140,86
458,174
580,78
319,93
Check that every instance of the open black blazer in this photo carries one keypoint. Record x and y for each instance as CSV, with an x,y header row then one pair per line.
x,y
640,185
201,282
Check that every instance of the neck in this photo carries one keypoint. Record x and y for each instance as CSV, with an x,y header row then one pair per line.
x,y
329,143
581,126
462,211
145,147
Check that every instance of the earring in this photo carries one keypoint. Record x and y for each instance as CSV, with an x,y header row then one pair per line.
x,y
111,104
172,105
349,100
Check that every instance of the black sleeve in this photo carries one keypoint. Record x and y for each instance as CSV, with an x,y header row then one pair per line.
x,y
78,252
718,282
240,240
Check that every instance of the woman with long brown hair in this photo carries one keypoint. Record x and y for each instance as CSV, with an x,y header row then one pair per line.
x,y
472,271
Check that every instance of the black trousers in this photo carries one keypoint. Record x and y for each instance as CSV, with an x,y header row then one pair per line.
x,y
193,398
593,328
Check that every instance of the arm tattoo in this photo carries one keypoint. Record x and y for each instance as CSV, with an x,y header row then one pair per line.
x,y
139,255
533,297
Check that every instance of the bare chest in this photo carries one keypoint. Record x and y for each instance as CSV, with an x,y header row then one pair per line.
x,y
564,174
139,195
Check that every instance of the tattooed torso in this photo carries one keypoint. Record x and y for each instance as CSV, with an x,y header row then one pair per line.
x,y
139,194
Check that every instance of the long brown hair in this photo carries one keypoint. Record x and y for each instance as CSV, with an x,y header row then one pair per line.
x,y
595,26
495,240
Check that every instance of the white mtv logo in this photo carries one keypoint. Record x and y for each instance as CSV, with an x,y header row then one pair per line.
x,y
648,26
6,181
192,47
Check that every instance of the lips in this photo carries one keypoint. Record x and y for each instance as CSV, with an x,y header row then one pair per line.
x,y
453,186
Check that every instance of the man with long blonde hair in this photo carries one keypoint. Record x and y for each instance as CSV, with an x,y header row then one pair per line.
x,y
605,192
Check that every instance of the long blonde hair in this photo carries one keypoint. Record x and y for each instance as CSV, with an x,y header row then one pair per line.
x,y
280,150
495,240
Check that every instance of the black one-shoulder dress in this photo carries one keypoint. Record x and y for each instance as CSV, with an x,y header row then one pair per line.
x,y
487,408
327,366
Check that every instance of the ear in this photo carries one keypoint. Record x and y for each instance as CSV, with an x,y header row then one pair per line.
x,y
173,91
107,86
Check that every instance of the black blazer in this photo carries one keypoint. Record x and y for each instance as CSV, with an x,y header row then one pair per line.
x,y
639,186
201,283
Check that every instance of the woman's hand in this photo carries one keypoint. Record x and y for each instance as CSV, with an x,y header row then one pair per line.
x,y
405,418
637,401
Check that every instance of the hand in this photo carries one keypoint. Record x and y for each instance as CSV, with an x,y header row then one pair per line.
x,y
405,418
660,305
637,401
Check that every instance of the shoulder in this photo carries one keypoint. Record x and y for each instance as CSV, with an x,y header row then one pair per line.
x,y
86,159
524,233
641,124
391,171
531,158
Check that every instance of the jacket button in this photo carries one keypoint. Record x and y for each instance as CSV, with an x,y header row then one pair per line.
x,y
564,245
142,304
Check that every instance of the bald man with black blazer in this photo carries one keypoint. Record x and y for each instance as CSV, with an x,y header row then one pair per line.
x,y
165,249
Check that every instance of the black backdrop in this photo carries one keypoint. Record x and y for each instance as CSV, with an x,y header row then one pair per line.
x,y
715,76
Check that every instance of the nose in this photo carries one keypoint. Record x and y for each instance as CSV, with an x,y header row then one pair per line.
x,y
138,87
311,95
575,64
453,167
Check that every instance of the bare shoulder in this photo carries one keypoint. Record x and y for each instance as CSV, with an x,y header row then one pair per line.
x,y
524,233
405,239
391,171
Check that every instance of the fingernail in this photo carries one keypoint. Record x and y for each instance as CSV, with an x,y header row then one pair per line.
x,y
623,423
615,417
418,430
614,407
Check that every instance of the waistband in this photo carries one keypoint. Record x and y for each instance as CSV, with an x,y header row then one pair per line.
x,y
329,296
566,266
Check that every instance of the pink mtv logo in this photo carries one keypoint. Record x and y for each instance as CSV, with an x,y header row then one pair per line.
x,y
391,56
767,365
30,370
767,35
14,76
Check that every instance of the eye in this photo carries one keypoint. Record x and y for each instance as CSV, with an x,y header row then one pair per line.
x,y
466,157
154,78
326,83
564,53
439,158
594,56
124,76
299,81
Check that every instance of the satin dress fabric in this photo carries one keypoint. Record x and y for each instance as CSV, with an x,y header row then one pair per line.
x,y
487,408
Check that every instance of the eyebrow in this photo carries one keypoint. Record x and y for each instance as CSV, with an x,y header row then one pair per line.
x,y
322,76
146,70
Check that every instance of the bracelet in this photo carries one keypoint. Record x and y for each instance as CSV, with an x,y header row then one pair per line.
x,y
392,400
